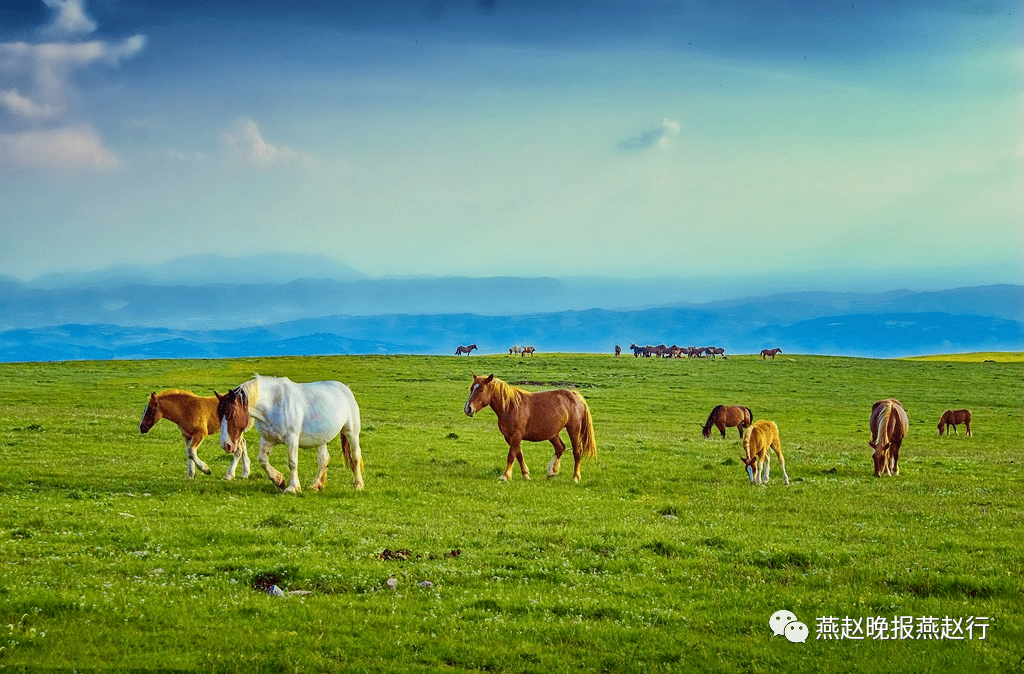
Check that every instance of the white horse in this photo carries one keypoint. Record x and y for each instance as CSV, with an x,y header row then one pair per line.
x,y
294,415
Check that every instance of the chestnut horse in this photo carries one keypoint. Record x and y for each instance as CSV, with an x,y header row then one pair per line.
x,y
952,418
295,415
528,351
725,416
196,416
770,352
762,435
464,349
888,428
535,417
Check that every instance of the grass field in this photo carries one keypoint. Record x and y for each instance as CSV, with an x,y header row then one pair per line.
x,y
663,558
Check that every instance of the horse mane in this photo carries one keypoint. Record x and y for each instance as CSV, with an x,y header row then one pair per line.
x,y
166,393
882,429
251,391
508,396
711,417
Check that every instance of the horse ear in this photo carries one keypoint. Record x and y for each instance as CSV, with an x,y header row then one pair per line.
x,y
219,396
152,396
489,379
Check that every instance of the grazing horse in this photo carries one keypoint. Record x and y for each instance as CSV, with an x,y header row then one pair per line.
x,y
528,350
770,352
714,351
724,416
464,349
618,350
196,416
762,435
888,427
295,415
535,417
951,418
515,350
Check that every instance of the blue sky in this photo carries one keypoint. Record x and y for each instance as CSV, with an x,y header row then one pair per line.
x,y
491,137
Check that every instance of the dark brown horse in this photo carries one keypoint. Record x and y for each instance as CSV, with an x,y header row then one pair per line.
x,y
888,428
535,417
196,416
726,416
770,352
952,418
618,350
464,349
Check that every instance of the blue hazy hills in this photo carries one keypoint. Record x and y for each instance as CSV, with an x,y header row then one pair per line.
x,y
133,316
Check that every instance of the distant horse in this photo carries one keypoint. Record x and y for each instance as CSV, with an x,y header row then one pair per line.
x,y
196,416
295,415
888,428
637,350
952,418
528,350
465,349
726,416
770,352
762,435
618,350
514,351
535,417
714,351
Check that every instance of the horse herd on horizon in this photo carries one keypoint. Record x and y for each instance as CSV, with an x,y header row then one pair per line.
x,y
659,351
314,414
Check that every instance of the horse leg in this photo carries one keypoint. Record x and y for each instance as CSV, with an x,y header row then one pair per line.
x,y
721,428
513,454
353,454
264,457
968,424
766,469
191,444
782,464
293,465
523,468
322,458
556,461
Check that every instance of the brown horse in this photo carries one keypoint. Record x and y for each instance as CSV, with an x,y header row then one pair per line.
x,y
618,350
464,349
535,417
528,350
762,435
725,416
888,428
196,416
952,418
770,352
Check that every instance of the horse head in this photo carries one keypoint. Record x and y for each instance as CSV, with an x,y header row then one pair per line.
x,y
233,412
151,415
479,394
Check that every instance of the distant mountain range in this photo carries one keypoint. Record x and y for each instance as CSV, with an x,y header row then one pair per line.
x,y
597,330
135,312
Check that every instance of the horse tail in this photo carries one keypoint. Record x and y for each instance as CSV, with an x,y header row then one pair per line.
x,y
881,436
346,451
588,443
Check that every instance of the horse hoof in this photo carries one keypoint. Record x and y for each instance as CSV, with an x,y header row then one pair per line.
x,y
576,479
229,478
526,477
503,478
358,485
552,475
292,489
206,470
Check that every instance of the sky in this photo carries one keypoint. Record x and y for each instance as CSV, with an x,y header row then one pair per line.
x,y
613,138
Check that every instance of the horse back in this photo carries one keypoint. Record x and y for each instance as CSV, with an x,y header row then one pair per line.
x,y
542,415
316,411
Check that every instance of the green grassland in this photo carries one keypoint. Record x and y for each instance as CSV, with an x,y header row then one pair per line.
x,y
663,558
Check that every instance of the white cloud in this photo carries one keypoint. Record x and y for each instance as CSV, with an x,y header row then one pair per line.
x,y
50,64
70,18
671,130
245,143
62,150
24,107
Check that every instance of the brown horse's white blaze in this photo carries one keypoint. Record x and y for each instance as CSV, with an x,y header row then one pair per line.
x,y
889,426
761,436
196,416
535,417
